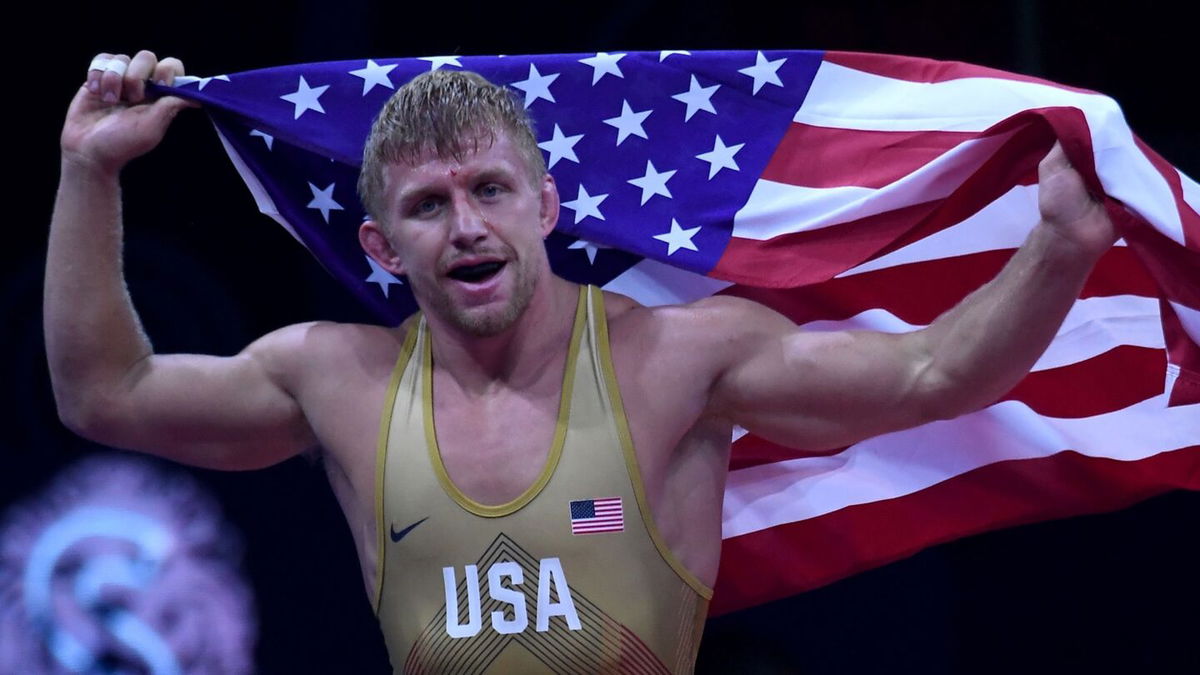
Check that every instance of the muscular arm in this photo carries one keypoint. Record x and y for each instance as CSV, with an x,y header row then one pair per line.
x,y
109,385
823,390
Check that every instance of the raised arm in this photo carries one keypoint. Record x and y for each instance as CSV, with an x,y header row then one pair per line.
x,y
109,385
825,390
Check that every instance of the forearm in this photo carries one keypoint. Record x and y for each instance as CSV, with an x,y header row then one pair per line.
x,y
93,336
981,348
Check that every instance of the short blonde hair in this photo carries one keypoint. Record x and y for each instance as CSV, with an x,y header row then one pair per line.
x,y
449,113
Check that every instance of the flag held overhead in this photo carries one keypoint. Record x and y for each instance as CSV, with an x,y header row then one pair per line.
x,y
846,191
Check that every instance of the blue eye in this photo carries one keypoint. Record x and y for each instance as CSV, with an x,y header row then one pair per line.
x,y
425,207
489,190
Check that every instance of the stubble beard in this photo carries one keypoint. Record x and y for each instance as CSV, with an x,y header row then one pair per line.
x,y
484,321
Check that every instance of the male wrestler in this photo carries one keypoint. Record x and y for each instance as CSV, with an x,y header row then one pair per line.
x,y
532,471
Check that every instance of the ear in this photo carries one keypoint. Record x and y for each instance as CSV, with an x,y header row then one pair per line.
x,y
375,243
549,211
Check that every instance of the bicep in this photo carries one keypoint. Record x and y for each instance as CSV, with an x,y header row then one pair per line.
x,y
217,412
822,390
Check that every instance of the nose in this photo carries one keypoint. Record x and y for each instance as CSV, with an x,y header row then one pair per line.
x,y
468,224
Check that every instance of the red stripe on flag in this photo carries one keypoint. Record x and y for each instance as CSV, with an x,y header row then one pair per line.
x,y
1187,215
1111,381
927,70
816,255
1174,269
822,157
919,292
751,450
857,538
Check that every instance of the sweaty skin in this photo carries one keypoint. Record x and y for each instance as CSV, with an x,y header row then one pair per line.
x,y
687,373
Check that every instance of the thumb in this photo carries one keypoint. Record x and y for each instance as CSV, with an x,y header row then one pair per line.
x,y
171,105
1054,161
163,110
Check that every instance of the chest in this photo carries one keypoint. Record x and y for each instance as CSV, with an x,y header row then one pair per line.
x,y
495,446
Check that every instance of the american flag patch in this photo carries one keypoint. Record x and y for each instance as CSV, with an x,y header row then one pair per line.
x,y
591,516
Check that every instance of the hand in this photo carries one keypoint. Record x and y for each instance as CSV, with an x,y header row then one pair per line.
x,y
110,121
1068,208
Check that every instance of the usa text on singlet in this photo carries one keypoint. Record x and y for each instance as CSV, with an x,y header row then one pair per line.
x,y
570,577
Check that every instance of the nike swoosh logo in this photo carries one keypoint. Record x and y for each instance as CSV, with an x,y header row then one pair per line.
x,y
397,536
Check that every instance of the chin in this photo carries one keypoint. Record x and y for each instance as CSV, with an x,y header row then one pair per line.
x,y
493,319
487,323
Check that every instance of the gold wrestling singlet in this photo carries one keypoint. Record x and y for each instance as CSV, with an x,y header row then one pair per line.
x,y
570,577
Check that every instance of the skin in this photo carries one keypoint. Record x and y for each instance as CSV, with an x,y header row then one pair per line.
x,y
687,373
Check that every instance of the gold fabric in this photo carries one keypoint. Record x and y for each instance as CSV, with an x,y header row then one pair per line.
x,y
529,596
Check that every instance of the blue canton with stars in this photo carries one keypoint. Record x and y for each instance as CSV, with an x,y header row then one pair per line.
x,y
653,152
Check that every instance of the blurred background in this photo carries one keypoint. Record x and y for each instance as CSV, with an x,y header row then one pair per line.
x,y
208,274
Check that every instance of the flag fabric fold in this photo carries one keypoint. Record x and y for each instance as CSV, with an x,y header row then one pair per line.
x,y
846,191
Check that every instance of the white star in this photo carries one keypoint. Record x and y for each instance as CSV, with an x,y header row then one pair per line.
x,y
306,98
374,74
585,205
560,147
662,56
764,72
603,64
536,86
380,276
436,62
267,138
721,157
205,80
678,238
323,200
653,183
697,98
628,122
588,247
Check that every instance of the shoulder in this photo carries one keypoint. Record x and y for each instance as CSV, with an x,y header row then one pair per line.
x,y
704,337
712,322
317,348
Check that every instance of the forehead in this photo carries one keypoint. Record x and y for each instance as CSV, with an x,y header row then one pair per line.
x,y
478,153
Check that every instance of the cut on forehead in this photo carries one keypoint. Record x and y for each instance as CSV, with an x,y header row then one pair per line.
x,y
447,114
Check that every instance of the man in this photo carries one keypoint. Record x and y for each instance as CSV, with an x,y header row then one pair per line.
x,y
532,471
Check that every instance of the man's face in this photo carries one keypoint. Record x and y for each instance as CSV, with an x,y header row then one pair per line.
x,y
469,234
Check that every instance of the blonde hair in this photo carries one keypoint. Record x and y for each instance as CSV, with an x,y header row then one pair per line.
x,y
449,113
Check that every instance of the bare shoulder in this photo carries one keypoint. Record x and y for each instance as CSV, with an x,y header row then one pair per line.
x,y
674,356
295,354
705,329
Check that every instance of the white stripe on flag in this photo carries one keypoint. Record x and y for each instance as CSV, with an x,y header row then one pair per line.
x,y
846,98
776,209
1190,320
653,283
1191,191
1002,224
905,462
1092,326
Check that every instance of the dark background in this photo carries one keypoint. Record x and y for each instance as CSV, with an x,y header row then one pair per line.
x,y
1109,593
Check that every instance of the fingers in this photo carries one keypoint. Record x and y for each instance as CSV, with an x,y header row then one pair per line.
x,y
95,71
168,69
141,66
116,77
112,77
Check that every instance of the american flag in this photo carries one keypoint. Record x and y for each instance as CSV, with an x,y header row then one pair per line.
x,y
846,191
592,516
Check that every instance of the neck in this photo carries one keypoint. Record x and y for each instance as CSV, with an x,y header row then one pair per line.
x,y
519,353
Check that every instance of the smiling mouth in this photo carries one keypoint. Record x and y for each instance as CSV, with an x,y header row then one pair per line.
x,y
476,273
